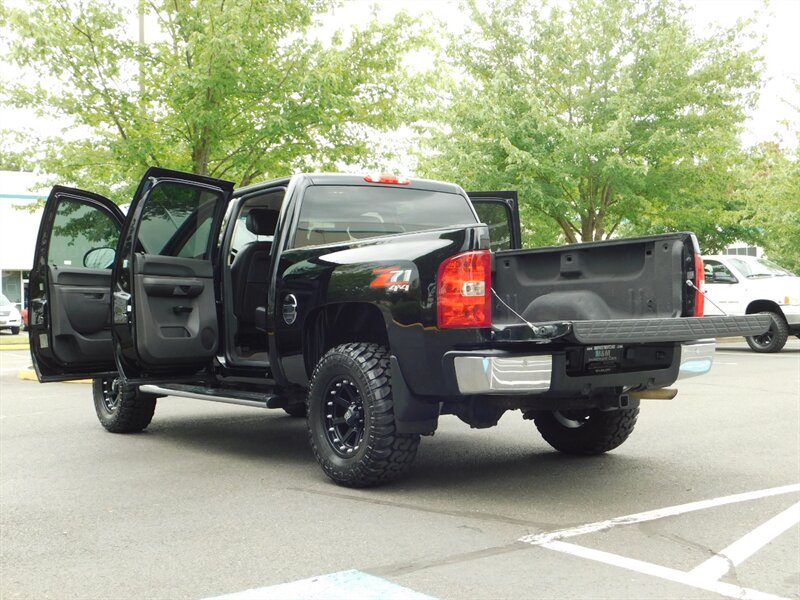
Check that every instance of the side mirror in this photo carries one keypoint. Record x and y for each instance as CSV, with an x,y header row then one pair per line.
x,y
723,278
99,258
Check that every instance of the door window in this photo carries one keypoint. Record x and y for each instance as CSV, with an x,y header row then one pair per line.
x,y
177,220
498,217
716,272
82,236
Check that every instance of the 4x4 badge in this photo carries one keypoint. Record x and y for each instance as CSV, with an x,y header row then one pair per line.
x,y
289,309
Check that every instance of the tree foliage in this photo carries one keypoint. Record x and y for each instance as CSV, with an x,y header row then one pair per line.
x,y
772,192
235,89
611,116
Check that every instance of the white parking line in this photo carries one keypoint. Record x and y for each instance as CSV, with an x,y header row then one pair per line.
x,y
705,576
651,515
639,566
743,548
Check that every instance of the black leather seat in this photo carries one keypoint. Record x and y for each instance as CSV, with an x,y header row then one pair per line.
x,y
249,270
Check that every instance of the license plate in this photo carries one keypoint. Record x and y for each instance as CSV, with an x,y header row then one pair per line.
x,y
599,357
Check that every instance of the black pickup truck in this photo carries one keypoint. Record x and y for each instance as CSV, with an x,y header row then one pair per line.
x,y
370,305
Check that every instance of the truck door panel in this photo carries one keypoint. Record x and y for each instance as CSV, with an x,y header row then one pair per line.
x,y
70,286
165,288
175,309
79,314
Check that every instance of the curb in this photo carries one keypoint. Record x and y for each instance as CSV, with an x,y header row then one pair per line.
x,y
30,375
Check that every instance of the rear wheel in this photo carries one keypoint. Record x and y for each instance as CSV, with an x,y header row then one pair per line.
x,y
122,408
775,337
586,432
351,418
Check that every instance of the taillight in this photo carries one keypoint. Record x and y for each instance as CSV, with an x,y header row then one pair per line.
x,y
464,290
699,282
393,179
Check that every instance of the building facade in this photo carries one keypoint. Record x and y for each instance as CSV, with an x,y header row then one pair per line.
x,y
21,198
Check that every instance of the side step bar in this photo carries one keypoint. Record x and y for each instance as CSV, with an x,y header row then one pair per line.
x,y
240,397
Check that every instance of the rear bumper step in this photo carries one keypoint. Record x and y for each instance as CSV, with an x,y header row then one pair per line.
x,y
632,331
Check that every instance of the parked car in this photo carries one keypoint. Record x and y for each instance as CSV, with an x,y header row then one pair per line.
x,y
370,305
745,285
9,316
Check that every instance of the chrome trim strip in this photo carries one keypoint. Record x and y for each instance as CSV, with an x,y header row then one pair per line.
x,y
696,358
154,389
503,375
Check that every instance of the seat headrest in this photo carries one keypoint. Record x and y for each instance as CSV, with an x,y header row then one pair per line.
x,y
262,221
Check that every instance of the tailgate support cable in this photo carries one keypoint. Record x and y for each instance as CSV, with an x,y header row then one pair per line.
x,y
691,284
545,331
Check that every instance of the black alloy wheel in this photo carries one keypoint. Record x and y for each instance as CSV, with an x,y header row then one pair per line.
x,y
344,416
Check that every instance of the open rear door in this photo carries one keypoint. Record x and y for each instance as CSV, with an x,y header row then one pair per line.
x,y
165,282
70,286
500,211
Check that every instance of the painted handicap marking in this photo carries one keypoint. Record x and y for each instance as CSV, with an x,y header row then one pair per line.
x,y
706,575
344,585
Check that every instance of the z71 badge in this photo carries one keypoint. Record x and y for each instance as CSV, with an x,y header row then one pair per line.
x,y
392,279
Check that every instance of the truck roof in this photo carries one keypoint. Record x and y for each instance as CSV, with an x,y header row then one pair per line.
x,y
354,179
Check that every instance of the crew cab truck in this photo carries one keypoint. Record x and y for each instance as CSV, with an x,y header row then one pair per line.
x,y
369,305
745,285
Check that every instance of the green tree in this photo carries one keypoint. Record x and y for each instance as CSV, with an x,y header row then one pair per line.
x,y
235,89
773,195
612,116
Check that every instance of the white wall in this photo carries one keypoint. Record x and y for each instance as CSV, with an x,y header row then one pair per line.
x,y
18,226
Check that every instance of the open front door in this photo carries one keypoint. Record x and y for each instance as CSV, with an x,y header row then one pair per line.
x,y
500,211
70,286
165,282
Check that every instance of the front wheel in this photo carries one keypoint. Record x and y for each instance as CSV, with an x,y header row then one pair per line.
x,y
586,432
351,418
122,408
775,337
15,331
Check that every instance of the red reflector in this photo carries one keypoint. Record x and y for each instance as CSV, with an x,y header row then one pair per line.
x,y
464,288
699,281
394,179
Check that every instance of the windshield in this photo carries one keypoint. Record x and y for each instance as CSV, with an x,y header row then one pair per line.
x,y
760,267
4,301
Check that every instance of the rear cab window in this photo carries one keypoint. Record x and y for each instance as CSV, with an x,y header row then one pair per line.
x,y
342,213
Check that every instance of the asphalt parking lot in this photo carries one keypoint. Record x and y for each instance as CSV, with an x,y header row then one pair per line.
x,y
214,500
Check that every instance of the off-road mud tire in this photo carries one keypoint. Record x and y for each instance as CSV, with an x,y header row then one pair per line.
x,y
586,432
122,409
374,453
